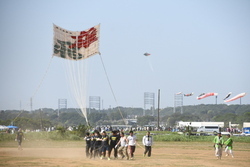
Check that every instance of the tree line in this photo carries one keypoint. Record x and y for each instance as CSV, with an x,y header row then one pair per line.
x,y
47,117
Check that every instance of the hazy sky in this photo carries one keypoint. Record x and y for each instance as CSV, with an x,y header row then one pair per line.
x,y
195,46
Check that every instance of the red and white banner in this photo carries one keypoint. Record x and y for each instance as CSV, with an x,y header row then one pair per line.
x,y
236,97
206,95
189,94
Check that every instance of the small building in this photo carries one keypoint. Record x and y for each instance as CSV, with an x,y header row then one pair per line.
x,y
246,128
121,127
182,124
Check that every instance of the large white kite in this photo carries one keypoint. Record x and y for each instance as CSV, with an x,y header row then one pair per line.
x,y
76,45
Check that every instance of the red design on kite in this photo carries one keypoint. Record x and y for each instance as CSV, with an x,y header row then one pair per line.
x,y
85,38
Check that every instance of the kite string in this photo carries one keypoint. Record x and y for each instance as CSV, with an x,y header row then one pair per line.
x,y
38,87
45,74
150,64
111,88
72,87
75,73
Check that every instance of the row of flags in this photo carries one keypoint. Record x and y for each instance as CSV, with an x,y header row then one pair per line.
x,y
204,95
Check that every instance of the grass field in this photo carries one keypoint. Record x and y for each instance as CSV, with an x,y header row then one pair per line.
x,y
71,154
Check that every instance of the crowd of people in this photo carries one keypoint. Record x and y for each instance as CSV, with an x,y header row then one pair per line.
x,y
100,145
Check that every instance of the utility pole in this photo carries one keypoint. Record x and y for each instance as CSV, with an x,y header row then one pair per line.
x,y
31,104
41,119
20,105
158,109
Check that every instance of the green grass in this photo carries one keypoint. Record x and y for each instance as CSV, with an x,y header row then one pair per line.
x,y
157,135
173,136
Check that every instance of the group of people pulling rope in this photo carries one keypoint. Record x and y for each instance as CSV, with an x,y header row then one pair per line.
x,y
100,145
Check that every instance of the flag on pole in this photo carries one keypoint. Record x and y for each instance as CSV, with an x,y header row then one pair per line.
x,y
76,45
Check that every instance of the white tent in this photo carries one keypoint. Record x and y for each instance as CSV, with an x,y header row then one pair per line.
x,y
2,127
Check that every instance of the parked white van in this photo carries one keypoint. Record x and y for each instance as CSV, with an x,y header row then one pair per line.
x,y
210,130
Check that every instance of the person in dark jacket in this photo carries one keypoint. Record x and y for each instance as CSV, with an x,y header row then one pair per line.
x,y
87,138
114,139
105,145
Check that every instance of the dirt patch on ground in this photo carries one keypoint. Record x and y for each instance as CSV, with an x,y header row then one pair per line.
x,y
163,154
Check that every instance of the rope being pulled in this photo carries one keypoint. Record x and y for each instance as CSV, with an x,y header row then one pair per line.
x,y
112,88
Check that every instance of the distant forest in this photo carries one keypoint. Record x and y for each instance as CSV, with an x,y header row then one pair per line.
x,y
46,117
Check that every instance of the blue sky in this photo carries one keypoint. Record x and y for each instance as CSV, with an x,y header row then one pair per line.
x,y
195,46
